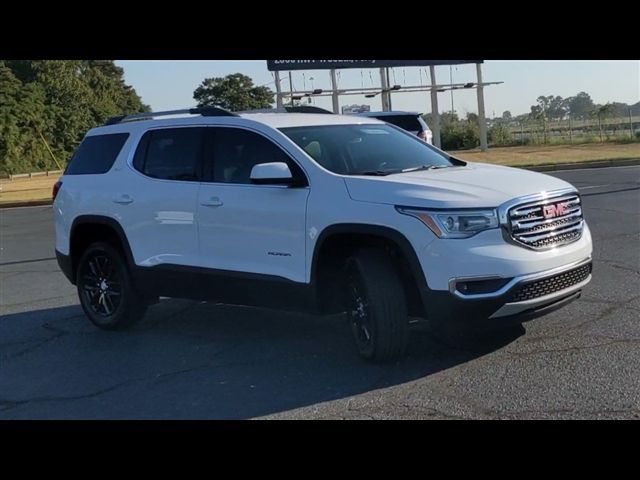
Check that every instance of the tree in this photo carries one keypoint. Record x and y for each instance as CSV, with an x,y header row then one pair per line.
x,y
550,107
506,116
52,103
580,106
234,92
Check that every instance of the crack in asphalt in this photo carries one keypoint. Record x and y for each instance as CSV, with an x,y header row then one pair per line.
x,y
575,411
7,275
605,313
164,319
39,300
615,264
30,349
570,349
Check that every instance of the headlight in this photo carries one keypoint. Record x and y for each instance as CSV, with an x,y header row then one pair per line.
x,y
455,223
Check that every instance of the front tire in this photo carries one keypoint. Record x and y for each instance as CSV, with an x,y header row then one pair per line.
x,y
376,306
105,288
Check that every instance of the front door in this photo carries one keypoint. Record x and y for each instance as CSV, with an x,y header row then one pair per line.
x,y
248,228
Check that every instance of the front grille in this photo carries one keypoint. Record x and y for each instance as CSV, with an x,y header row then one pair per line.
x,y
553,284
547,223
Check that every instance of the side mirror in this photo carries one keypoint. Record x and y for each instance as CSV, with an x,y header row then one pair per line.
x,y
276,173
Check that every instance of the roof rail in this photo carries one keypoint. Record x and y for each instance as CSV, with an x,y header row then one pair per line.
x,y
300,109
307,109
204,111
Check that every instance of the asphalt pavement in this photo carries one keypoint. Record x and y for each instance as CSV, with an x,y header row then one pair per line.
x,y
196,360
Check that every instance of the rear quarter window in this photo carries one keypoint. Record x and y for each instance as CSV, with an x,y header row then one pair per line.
x,y
96,154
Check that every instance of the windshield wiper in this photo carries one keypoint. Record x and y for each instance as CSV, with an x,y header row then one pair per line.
x,y
424,167
377,173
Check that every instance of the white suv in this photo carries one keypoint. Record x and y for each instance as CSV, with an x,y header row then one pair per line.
x,y
314,212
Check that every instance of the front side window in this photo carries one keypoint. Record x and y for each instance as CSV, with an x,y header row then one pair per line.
x,y
374,149
170,154
236,151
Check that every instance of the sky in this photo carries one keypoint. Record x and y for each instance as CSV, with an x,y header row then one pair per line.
x,y
167,85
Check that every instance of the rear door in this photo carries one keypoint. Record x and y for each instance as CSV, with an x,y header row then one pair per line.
x,y
156,203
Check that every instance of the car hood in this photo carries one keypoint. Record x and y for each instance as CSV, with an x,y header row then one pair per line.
x,y
473,185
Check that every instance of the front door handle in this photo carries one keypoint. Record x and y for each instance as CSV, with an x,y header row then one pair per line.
x,y
212,202
123,199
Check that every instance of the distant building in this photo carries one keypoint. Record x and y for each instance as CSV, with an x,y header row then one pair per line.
x,y
350,109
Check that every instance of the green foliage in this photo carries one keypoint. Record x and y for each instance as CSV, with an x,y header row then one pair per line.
x,y
500,135
54,103
457,135
234,92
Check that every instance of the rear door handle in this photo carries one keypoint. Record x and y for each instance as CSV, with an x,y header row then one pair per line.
x,y
212,202
123,199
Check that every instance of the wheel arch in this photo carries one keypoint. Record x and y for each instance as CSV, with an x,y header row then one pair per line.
x,y
347,233
87,229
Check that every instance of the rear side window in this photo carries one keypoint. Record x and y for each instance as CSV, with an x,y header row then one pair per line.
x,y
406,122
96,154
170,154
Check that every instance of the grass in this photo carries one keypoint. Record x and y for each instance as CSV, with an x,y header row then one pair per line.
x,y
530,155
26,189
39,188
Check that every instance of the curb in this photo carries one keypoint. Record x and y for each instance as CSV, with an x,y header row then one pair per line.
x,y
33,203
579,165
535,168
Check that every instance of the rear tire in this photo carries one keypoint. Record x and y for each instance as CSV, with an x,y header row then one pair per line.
x,y
106,290
376,306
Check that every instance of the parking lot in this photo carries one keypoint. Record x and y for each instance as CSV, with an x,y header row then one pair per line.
x,y
196,360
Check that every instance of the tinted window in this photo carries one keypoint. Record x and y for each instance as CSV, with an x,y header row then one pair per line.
x,y
235,152
365,149
96,154
170,154
406,122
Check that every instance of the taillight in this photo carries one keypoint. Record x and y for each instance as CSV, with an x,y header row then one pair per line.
x,y
56,188
423,135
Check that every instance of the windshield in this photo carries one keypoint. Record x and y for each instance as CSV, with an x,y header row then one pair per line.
x,y
373,149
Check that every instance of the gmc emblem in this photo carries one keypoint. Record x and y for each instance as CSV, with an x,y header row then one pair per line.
x,y
555,210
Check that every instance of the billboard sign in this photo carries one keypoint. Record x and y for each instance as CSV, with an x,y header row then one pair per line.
x,y
277,65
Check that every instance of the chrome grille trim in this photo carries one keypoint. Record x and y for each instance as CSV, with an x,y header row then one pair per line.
x,y
524,224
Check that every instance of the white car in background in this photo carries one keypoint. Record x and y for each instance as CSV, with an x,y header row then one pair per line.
x,y
409,121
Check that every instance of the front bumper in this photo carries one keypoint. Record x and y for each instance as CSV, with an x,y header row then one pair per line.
x,y
522,297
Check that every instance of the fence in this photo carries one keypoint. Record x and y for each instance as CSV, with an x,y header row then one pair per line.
x,y
35,174
575,130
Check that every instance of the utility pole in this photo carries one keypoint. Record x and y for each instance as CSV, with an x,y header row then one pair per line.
x,y
385,90
630,125
435,116
334,92
291,88
278,89
451,82
389,89
481,118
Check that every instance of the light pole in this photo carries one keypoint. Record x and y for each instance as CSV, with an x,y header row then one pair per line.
x,y
451,81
